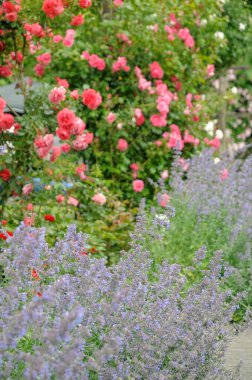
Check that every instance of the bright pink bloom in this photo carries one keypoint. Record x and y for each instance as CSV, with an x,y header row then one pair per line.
x,y
122,145
140,119
43,145
85,55
78,127
72,201
118,3
6,121
57,38
63,133
66,118
57,95
189,100
29,207
120,64
5,71
156,70
85,3
60,198
215,143
158,121
62,82
77,20
99,198
210,71
91,98
39,69
138,185
164,199
224,174
53,8
96,62
74,94
68,40
27,189
44,58
2,104
56,152
65,148
35,29
29,220
134,167
111,118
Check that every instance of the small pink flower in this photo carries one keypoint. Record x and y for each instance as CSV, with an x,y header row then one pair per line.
x,y
68,40
85,3
210,71
60,198
118,3
29,207
72,201
56,152
111,117
57,95
158,121
27,189
77,20
122,145
99,198
165,174
74,94
39,69
65,148
156,70
138,185
91,98
44,59
224,174
164,199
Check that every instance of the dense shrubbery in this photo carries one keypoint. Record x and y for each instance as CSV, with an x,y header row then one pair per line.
x,y
144,88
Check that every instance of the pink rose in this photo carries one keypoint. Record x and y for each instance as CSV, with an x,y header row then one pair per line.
x,y
91,99
111,117
156,70
56,152
164,199
27,189
210,71
57,95
66,118
72,201
44,59
138,185
158,121
122,145
53,8
60,198
224,174
165,174
65,148
85,3
77,20
99,198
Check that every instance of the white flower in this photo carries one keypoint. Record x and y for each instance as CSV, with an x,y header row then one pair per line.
x,y
219,134
242,26
203,22
234,90
216,160
210,127
219,35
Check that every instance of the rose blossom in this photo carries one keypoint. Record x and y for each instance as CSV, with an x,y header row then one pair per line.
x,y
156,70
122,145
66,118
57,95
99,198
91,98
138,185
77,20
65,148
111,117
164,199
27,189
72,201
44,59
85,3
53,8
60,198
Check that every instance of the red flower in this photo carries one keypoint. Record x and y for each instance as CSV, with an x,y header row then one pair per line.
x,y
4,222
49,218
39,294
93,250
4,236
5,174
35,275
83,253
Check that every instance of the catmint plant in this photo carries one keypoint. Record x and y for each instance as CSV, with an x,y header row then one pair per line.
x,y
65,315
